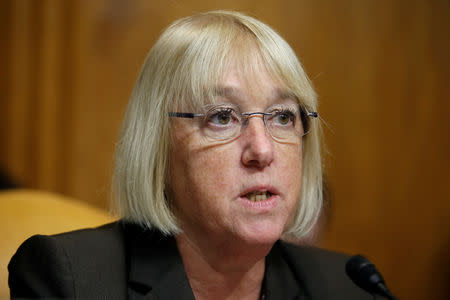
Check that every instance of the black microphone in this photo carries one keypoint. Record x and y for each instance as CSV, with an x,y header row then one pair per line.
x,y
364,274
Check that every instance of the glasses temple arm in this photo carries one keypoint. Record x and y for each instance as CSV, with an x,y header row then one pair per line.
x,y
184,115
313,114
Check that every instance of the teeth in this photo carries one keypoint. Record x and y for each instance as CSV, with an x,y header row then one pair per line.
x,y
258,196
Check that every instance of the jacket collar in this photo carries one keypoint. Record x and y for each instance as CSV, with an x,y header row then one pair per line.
x,y
156,270
279,280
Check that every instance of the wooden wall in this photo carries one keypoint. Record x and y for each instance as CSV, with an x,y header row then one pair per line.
x,y
381,69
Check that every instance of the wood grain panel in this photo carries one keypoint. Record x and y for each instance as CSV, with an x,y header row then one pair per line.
x,y
381,70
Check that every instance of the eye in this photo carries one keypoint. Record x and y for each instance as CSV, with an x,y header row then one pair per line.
x,y
283,117
221,116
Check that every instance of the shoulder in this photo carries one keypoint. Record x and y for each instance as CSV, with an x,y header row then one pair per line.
x,y
322,272
107,240
70,264
87,248
308,256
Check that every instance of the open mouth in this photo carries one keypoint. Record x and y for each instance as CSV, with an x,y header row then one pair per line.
x,y
257,196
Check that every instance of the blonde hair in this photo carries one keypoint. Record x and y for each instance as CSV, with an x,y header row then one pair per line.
x,y
180,72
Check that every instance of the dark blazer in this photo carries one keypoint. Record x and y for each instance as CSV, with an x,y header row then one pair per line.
x,y
121,260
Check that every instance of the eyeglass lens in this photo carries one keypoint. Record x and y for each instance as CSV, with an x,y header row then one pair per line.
x,y
282,123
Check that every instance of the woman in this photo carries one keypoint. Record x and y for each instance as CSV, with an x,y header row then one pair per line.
x,y
218,159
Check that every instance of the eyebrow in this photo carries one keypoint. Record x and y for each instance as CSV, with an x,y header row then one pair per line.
x,y
232,93
285,94
228,92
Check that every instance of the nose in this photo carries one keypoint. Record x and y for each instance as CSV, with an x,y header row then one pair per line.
x,y
258,149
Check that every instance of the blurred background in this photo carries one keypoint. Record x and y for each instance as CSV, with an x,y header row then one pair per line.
x,y
381,69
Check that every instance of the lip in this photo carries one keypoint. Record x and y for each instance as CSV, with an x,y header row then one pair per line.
x,y
262,188
260,206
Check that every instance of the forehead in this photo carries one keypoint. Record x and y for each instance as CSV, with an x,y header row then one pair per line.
x,y
239,78
258,89
232,92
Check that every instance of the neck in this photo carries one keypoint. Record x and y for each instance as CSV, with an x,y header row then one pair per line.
x,y
222,271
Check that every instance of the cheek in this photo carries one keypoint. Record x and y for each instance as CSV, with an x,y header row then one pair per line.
x,y
290,175
203,187
212,171
202,175
290,165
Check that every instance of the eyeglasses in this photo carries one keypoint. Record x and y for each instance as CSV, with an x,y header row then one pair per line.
x,y
225,122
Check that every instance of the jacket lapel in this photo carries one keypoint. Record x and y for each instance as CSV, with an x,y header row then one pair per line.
x,y
156,270
279,280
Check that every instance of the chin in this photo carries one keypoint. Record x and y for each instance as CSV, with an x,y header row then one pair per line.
x,y
264,235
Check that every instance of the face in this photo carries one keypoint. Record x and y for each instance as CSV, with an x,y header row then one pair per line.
x,y
245,189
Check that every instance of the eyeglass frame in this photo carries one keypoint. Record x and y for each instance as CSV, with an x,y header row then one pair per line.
x,y
302,112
